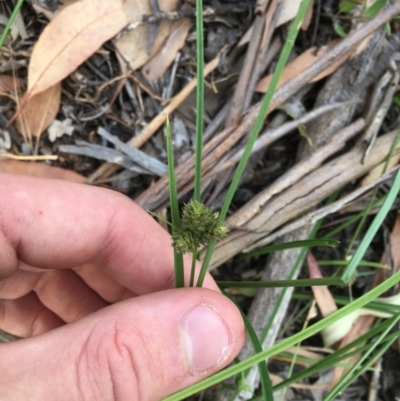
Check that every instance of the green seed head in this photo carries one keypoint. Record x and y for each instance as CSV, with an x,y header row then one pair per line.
x,y
183,242
200,226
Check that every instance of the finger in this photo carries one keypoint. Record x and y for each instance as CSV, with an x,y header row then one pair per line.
x,y
53,224
144,349
112,291
26,316
67,295
8,255
18,284
103,284
60,291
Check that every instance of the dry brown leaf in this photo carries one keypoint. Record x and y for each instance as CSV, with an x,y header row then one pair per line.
x,y
246,37
322,295
289,11
308,17
299,351
394,244
40,111
277,379
8,83
40,170
307,353
70,38
133,45
155,68
301,63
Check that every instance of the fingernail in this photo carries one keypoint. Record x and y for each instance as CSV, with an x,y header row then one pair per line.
x,y
207,338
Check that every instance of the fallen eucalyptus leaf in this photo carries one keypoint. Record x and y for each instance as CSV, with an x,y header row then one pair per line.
x,y
71,38
39,111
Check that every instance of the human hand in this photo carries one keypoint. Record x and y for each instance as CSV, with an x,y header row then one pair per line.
x,y
67,252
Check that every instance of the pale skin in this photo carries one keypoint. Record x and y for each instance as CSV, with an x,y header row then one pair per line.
x,y
86,277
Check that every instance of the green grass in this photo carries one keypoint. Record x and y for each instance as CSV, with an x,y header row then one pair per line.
x,y
10,22
287,342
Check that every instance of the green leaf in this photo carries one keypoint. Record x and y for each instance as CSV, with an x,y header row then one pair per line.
x,y
396,99
339,30
303,132
370,12
346,6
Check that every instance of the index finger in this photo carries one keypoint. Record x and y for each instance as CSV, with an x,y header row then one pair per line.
x,y
54,224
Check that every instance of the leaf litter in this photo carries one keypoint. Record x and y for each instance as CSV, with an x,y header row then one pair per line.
x,y
70,38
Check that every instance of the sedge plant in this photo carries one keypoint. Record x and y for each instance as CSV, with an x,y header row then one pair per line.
x,y
200,227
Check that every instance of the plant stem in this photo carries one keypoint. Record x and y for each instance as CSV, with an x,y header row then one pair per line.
x,y
287,48
176,221
193,269
10,22
199,99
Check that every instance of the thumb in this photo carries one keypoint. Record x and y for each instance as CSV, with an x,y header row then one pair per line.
x,y
141,349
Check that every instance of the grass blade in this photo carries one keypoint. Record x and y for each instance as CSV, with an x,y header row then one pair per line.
x,y
308,243
372,201
353,219
266,384
352,374
373,228
283,57
339,355
173,197
199,99
294,28
307,282
288,342
298,262
10,22
343,263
